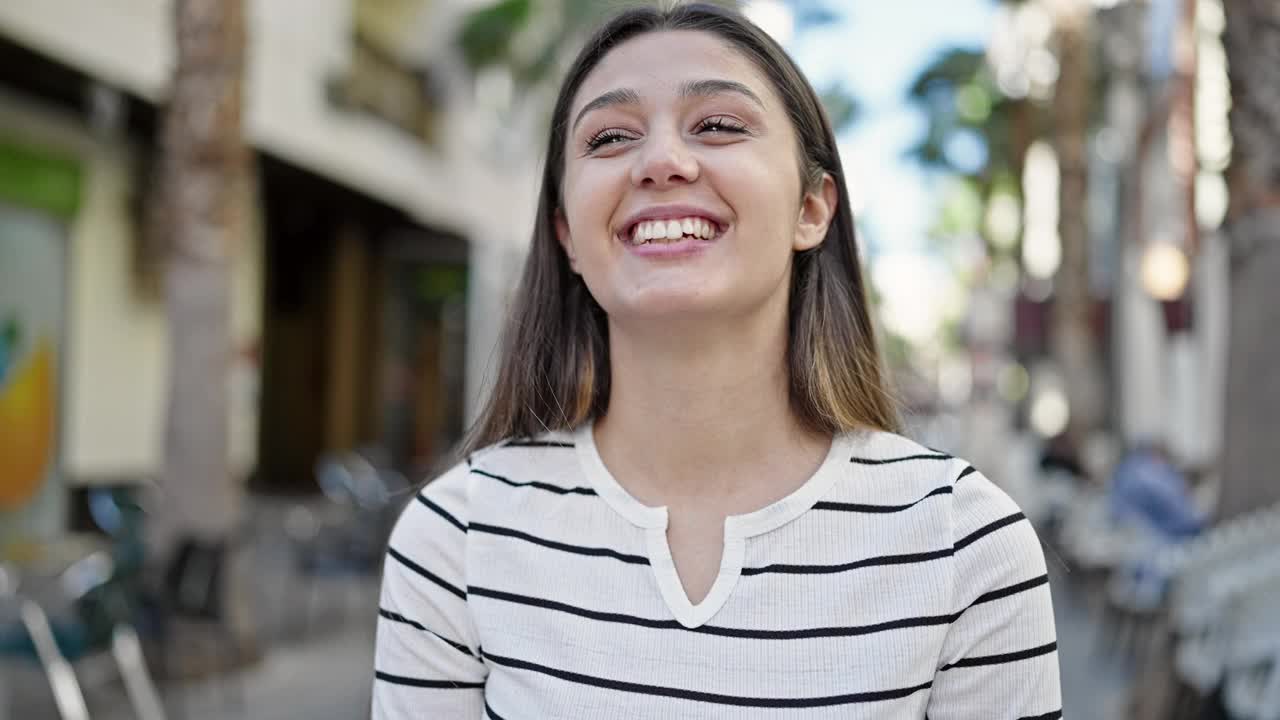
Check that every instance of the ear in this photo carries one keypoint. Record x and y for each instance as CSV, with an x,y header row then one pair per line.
x,y
817,210
566,240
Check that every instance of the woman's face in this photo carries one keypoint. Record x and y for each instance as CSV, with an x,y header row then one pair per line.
x,y
682,191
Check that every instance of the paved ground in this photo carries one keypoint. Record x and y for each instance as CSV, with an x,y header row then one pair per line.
x,y
318,662
1095,684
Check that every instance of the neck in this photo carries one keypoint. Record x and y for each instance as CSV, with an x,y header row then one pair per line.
x,y
694,411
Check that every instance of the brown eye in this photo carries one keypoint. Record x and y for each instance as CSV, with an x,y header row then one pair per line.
x,y
612,136
720,124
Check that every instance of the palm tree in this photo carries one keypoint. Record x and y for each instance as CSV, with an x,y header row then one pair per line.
x,y
1008,126
1005,125
1252,43
198,214
1071,336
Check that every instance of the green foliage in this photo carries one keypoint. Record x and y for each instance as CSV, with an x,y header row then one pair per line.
x,y
952,67
842,107
9,336
897,350
956,93
962,209
486,33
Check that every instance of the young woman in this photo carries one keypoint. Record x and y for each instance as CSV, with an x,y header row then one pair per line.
x,y
686,498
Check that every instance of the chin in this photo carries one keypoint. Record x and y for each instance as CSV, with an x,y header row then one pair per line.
x,y
667,305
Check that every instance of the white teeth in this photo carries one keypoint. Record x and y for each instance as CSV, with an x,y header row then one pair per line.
x,y
669,230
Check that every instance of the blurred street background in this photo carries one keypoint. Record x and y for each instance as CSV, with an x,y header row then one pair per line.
x,y
255,256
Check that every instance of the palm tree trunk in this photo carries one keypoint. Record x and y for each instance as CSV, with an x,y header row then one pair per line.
x,y
200,210
1252,42
203,171
1072,337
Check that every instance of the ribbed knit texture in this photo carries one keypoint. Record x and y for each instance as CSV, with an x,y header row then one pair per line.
x,y
896,583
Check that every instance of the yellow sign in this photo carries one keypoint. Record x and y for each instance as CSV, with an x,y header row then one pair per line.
x,y
27,426
31,303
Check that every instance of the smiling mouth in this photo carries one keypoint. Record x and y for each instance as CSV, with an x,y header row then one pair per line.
x,y
673,230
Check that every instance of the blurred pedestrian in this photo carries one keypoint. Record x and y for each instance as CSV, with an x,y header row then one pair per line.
x,y
1151,497
1149,490
686,497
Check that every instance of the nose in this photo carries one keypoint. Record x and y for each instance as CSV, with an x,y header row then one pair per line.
x,y
664,161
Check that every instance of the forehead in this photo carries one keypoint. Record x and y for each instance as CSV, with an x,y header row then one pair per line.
x,y
659,63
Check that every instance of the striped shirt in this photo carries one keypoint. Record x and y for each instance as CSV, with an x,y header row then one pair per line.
x,y
897,582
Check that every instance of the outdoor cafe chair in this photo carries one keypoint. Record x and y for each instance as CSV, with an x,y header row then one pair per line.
x,y
62,639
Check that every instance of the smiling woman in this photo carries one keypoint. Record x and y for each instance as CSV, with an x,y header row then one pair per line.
x,y
685,497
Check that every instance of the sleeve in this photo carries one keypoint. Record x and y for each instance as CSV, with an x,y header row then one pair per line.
x,y
1000,655
427,661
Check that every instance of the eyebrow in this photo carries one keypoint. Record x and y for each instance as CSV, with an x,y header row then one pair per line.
x,y
693,88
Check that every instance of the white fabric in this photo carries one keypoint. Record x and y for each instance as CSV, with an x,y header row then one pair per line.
x,y
896,583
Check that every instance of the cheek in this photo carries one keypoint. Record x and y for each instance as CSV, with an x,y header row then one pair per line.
x,y
588,203
766,183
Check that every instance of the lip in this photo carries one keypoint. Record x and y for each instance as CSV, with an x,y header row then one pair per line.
x,y
670,212
684,247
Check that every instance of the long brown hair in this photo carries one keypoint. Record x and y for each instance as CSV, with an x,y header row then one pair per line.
x,y
554,371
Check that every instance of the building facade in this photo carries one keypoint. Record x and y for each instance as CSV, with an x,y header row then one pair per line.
x,y
368,289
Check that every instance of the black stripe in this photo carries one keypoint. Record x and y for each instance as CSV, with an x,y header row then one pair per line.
x,y
988,529
397,617
539,485
383,612
425,573
966,473
827,632
866,562
490,711
1055,715
554,545
537,443
905,458
798,634
419,682
861,507
707,697
1002,658
1011,590
580,612
442,512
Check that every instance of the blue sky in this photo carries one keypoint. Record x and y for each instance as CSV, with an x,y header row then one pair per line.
x,y
876,49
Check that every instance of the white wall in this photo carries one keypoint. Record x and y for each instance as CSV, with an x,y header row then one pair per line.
x,y
465,186
294,46
1172,388
1139,337
125,43
115,370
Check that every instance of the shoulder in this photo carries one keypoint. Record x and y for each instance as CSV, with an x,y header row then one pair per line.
x,y
434,520
543,462
548,453
992,542
886,469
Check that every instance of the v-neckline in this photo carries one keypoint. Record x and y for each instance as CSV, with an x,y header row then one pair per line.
x,y
737,528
